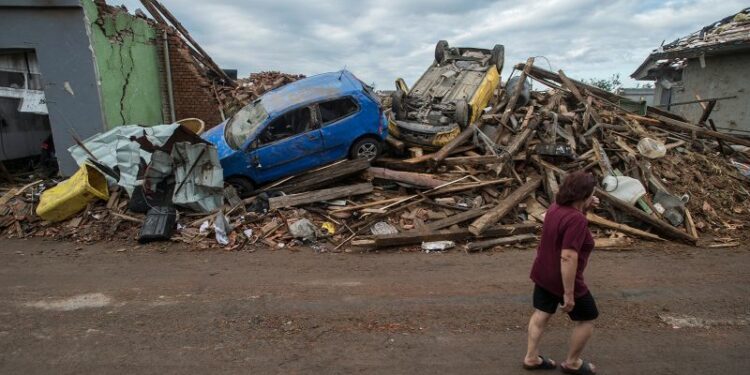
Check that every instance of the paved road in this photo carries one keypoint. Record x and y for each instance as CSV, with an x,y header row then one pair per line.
x,y
110,308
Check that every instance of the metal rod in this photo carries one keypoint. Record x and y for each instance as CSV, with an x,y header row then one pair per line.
x,y
168,67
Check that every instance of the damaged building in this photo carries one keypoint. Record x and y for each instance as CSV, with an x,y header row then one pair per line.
x,y
74,68
706,68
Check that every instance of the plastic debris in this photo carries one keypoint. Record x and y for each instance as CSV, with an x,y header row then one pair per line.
x,y
304,229
382,227
221,228
329,227
651,148
437,246
624,188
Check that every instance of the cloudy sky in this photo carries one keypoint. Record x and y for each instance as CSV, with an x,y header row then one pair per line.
x,y
385,39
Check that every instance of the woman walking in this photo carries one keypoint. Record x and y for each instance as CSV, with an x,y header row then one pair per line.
x,y
557,273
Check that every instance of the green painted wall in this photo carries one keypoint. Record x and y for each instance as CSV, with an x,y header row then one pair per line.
x,y
128,65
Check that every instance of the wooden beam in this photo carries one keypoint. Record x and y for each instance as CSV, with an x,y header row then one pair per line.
x,y
422,180
481,245
664,228
319,195
419,236
460,139
510,107
699,131
457,218
606,223
495,214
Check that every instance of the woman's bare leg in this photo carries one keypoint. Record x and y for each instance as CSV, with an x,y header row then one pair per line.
x,y
537,323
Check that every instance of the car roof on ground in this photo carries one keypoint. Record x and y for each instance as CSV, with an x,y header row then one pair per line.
x,y
309,90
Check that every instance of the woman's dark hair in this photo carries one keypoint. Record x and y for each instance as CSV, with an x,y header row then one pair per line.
x,y
576,186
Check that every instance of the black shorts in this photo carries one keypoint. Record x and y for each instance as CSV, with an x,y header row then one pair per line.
x,y
584,309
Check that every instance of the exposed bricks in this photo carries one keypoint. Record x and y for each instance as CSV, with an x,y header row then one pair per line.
x,y
193,93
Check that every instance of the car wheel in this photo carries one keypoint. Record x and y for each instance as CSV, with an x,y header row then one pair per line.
x,y
498,57
462,113
365,148
440,49
397,104
243,186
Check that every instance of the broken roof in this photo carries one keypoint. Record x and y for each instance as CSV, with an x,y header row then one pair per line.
x,y
728,35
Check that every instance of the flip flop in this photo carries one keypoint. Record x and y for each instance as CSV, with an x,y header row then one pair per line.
x,y
545,365
585,369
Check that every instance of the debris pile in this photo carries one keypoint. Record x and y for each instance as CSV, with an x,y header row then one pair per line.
x,y
233,98
661,179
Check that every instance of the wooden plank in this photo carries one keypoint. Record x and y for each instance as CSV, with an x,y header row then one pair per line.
x,y
481,245
663,227
460,139
510,107
690,224
495,214
7,196
321,177
366,205
419,236
550,183
568,84
422,180
606,223
699,131
319,195
457,218
457,188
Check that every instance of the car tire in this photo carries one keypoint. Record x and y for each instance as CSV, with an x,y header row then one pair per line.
x,y
397,104
440,49
243,186
497,57
462,114
366,148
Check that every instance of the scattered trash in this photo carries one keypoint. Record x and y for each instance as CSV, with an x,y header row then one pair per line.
x,y
625,188
159,224
304,230
437,246
221,229
382,228
329,227
651,149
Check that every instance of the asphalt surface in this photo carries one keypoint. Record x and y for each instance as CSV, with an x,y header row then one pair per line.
x,y
107,308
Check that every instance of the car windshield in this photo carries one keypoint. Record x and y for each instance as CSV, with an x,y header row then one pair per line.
x,y
244,123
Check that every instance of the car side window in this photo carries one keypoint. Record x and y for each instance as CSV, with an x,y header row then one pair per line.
x,y
334,110
294,122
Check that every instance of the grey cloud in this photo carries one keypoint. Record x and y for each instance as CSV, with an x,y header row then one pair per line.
x,y
382,40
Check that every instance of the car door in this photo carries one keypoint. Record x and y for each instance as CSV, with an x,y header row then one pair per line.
x,y
288,145
340,121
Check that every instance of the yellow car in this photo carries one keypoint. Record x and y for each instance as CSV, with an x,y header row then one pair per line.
x,y
448,97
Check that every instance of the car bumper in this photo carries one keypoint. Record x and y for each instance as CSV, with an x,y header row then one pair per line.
x,y
423,135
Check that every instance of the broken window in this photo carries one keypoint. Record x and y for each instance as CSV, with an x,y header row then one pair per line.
x,y
291,123
334,110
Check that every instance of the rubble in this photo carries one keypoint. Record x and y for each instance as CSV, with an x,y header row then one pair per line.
x,y
488,187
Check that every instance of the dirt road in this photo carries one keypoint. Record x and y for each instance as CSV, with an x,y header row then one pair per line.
x,y
109,308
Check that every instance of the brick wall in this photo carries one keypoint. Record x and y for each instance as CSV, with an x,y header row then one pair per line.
x,y
193,94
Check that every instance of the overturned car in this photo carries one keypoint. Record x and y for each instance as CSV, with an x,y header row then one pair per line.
x,y
449,96
298,127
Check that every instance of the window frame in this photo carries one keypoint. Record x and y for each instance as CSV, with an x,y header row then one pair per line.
x,y
320,114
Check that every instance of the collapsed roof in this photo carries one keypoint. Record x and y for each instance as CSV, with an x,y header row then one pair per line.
x,y
728,35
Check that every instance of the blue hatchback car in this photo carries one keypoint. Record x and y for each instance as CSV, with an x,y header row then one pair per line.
x,y
297,127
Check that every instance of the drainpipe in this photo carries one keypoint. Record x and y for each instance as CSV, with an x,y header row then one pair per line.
x,y
169,76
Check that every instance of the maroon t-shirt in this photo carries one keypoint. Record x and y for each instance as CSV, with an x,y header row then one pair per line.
x,y
564,228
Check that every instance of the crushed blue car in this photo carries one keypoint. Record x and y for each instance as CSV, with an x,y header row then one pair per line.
x,y
297,127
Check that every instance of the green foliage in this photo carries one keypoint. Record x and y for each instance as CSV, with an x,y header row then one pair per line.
x,y
608,84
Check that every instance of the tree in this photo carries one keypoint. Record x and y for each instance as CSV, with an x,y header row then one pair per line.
x,y
611,84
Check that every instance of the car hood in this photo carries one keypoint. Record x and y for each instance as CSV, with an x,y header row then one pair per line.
x,y
215,136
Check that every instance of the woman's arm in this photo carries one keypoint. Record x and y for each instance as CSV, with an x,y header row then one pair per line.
x,y
568,267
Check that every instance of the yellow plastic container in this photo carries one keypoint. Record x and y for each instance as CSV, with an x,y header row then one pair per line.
x,y
72,195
